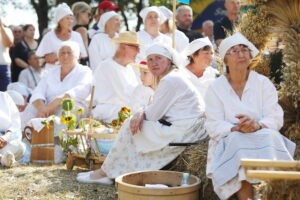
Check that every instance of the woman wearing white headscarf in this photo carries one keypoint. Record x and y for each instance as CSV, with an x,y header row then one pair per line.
x,y
101,46
175,115
11,146
181,41
66,77
152,19
243,121
198,68
63,32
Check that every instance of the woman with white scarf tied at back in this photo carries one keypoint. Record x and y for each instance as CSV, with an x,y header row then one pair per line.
x,y
152,19
243,121
198,68
175,115
63,32
101,46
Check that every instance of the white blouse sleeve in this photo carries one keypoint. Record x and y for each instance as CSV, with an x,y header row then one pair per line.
x,y
271,111
45,45
40,91
94,53
15,120
215,123
164,97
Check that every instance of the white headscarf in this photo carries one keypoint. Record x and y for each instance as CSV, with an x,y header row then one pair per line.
x,y
196,45
145,11
73,45
17,97
20,88
61,11
236,39
166,12
104,18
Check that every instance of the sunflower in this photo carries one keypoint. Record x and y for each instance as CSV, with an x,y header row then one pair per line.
x,y
80,111
68,104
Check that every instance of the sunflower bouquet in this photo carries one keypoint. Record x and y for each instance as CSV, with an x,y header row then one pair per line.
x,y
68,116
123,114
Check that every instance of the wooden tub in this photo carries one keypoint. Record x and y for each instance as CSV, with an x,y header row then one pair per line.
x,y
131,186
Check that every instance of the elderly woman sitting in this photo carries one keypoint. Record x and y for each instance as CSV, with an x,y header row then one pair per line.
x,y
175,115
11,147
243,120
67,77
198,68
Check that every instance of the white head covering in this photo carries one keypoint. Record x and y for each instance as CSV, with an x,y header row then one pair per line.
x,y
17,97
160,49
196,45
166,12
145,11
20,88
61,11
73,45
236,39
104,18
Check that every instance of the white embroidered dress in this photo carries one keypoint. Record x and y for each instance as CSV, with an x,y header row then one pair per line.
x,y
259,101
175,100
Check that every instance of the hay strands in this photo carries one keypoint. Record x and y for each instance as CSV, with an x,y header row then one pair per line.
x,y
271,174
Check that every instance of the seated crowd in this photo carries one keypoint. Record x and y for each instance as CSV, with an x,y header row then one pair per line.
x,y
175,97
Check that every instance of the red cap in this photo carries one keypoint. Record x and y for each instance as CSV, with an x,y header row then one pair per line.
x,y
108,5
143,63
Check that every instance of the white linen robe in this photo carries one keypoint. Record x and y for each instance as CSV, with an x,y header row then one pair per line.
x,y
181,41
259,101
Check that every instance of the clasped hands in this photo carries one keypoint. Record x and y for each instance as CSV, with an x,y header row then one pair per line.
x,y
3,142
246,124
136,122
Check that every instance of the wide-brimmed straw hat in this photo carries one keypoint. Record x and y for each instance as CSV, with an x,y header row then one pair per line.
x,y
127,37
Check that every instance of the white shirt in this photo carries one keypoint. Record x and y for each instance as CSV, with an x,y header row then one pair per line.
x,y
141,97
30,77
4,51
259,101
50,44
203,82
181,41
9,114
146,39
51,85
100,49
175,98
114,85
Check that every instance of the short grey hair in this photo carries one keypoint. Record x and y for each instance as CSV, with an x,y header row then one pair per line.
x,y
183,7
207,22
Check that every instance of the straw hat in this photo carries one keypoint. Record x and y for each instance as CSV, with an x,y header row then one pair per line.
x,y
127,37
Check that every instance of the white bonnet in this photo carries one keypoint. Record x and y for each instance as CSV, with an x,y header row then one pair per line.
x,y
73,45
236,39
16,97
166,12
145,11
104,18
61,11
196,45
160,49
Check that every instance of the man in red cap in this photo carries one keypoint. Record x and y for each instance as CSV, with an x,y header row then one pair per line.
x,y
103,7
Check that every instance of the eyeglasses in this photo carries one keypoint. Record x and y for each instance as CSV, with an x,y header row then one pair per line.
x,y
235,52
131,45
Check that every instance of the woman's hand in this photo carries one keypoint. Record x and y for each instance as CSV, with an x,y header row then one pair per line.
x,y
51,58
43,112
2,142
136,122
247,124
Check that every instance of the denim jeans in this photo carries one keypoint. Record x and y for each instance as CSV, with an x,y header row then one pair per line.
x,y
4,77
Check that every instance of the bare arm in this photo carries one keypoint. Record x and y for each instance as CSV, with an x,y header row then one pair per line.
x,y
41,107
7,39
84,35
21,63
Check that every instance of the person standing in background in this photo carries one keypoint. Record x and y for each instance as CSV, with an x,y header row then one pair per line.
x,y
21,50
227,23
6,40
184,20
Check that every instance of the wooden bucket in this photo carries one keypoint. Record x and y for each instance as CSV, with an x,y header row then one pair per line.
x,y
42,145
131,186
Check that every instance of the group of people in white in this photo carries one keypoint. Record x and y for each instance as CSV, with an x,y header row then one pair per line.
x,y
175,94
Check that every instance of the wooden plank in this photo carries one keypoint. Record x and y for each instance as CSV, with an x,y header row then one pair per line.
x,y
269,163
273,175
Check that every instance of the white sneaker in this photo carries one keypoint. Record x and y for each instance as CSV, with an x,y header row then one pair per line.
x,y
8,159
87,179
84,173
